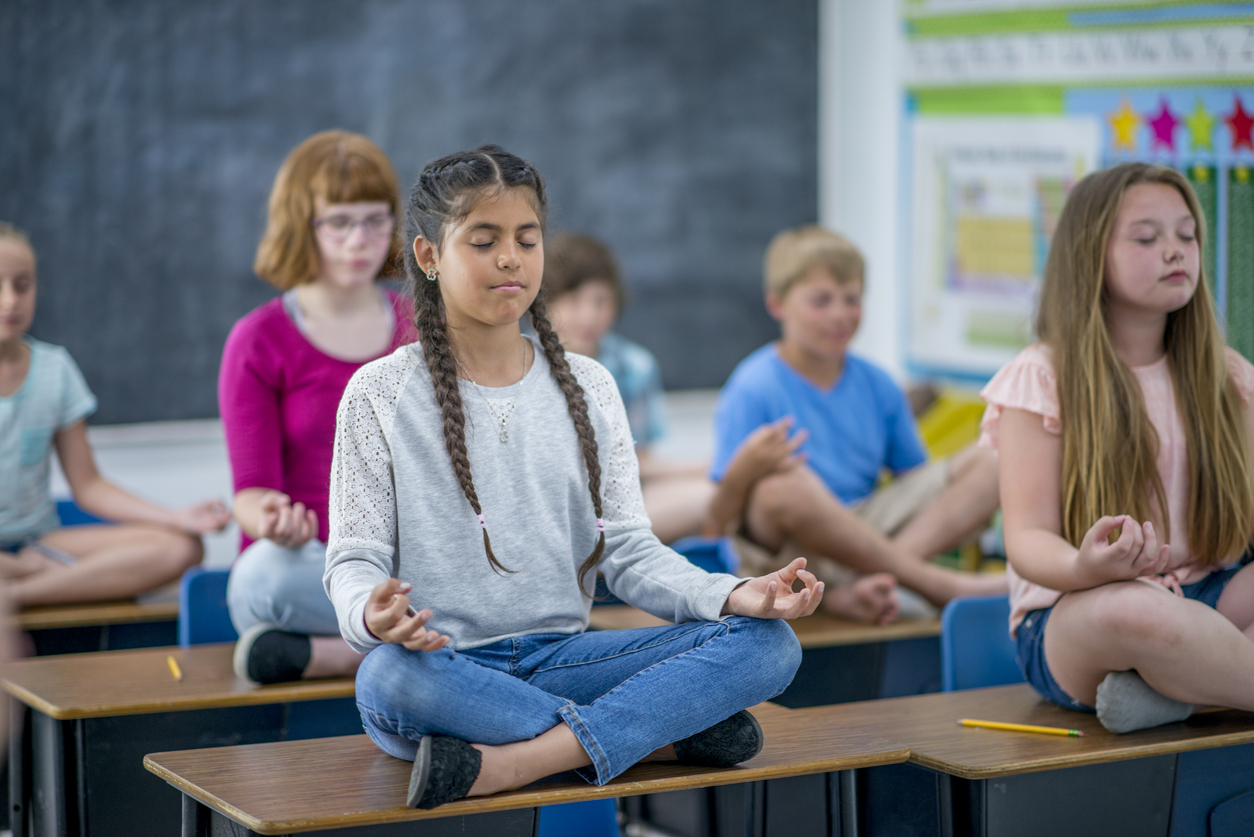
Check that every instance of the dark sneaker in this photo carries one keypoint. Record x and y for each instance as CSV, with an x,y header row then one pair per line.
x,y
737,739
268,654
444,770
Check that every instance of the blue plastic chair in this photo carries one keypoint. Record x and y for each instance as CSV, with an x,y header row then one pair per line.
x,y
713,555
71,515
203,616
976,649
594,818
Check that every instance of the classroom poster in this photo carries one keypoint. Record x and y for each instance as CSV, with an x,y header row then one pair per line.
x,y
1008,104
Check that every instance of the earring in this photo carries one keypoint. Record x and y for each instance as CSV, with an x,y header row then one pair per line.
x,y
432,276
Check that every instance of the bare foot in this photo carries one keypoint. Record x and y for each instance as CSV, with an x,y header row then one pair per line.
x,y
871,598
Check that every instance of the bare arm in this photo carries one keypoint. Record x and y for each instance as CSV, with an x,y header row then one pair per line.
x,y
1030,474
102,498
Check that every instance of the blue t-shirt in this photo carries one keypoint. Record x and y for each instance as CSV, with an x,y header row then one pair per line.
x,y
53,396
639,382
859,427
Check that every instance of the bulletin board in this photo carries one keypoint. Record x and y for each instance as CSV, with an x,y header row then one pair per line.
x,y
1008,104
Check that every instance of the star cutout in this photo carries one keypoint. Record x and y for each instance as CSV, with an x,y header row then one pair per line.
x,y
1123,125
1164,126
1240,122
1200,124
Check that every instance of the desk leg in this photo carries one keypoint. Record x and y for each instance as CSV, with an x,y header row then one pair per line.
x,y
19,768
54,774
842,795
195,818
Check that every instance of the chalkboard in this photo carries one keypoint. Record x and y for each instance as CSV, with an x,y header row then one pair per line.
x,y
141,138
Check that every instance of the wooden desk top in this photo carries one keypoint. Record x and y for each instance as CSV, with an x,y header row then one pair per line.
x,y
927,724
297,786
815,631
43,617
108,683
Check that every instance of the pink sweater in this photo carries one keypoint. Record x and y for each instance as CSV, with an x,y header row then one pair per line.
x,y
1028,383
278,395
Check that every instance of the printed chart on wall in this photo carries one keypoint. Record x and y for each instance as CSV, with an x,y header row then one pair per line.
x,y
1008,104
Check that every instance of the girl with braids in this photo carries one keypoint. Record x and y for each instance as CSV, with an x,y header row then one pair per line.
x,y
1124,440
484,477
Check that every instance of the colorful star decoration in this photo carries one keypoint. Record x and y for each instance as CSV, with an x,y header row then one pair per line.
x,y
1200,124
1123,125
1240,122
1164,126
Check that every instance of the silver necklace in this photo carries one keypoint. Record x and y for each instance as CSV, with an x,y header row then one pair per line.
x,y
501,418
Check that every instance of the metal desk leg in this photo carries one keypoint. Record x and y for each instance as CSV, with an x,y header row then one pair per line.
x,y
55,768
195,818
19,768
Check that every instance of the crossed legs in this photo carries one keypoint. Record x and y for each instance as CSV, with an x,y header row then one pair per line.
x,y
795,505
1183,649
112,562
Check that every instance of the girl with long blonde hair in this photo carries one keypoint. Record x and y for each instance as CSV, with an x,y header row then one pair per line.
x,y
1131,590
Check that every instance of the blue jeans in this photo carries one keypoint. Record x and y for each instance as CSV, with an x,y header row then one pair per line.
x,y
623,693
281,586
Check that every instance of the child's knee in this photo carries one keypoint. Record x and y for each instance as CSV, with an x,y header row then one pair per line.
x,y
391,677
1137,614
773,653
787,495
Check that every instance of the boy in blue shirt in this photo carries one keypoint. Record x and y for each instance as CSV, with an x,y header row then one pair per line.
x,y
814,491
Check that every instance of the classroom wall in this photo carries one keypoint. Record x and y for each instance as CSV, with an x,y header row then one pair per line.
x,y
143,137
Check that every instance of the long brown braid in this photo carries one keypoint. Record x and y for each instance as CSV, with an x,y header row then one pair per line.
x,y
443,195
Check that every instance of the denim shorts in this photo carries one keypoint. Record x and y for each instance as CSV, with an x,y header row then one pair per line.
x,y
1031,636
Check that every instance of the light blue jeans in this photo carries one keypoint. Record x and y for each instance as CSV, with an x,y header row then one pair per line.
x,y
623,693
281,586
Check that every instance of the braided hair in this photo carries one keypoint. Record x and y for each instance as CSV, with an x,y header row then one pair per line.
x,y
446,192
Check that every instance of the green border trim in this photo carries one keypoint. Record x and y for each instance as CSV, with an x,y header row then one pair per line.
x,y
1025,21
1043,100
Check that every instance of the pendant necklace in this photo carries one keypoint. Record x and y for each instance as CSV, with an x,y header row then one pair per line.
x,y
502,417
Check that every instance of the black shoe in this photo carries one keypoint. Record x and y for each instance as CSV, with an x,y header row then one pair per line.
x,y
444,770
737,739
268,654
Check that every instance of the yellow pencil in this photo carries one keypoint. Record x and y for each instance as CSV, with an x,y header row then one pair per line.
x,y
174,667
967,722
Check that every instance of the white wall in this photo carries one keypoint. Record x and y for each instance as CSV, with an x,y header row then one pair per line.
x,y
859,127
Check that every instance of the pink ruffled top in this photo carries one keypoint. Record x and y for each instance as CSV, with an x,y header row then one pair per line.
x,y
1028,383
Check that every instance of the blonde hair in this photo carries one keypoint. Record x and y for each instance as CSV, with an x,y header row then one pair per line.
x,y
792,254
338,167
9,232
1110,447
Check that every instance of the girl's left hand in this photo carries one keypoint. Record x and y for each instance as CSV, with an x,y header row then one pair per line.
x,y
772,597
202,518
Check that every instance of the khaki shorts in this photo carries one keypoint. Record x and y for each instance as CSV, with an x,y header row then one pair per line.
x,y
887,510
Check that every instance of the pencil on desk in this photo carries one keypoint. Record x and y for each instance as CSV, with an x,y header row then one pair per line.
x,y
174,667
967,722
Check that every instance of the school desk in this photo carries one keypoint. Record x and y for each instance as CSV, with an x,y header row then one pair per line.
x,y
348,785
76,766
98,626
841,660
962,780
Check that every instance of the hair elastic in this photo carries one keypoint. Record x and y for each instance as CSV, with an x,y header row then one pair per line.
x,y
600,524
482,525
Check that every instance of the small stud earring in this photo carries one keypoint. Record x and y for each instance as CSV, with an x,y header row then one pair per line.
x,y
432,275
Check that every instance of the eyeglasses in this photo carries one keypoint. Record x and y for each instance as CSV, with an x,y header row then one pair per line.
x,y
339,227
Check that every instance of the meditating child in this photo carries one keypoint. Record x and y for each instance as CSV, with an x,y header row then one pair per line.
x,y
485,477
806,396
44,403
330,238
1126,482
585,296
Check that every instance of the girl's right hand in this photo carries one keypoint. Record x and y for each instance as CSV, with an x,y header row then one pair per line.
x,y
284,523
389,618
1135,553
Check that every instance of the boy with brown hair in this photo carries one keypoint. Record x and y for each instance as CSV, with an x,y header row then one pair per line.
x,y
825,424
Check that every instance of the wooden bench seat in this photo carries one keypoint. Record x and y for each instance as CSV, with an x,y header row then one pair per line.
x,y
344,783
92,718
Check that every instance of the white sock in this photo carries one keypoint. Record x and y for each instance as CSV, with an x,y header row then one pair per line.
x,y
1125,702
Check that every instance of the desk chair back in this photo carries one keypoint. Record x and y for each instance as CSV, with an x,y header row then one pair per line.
x,y
203,616
976,648
71,515
714,555
594,818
